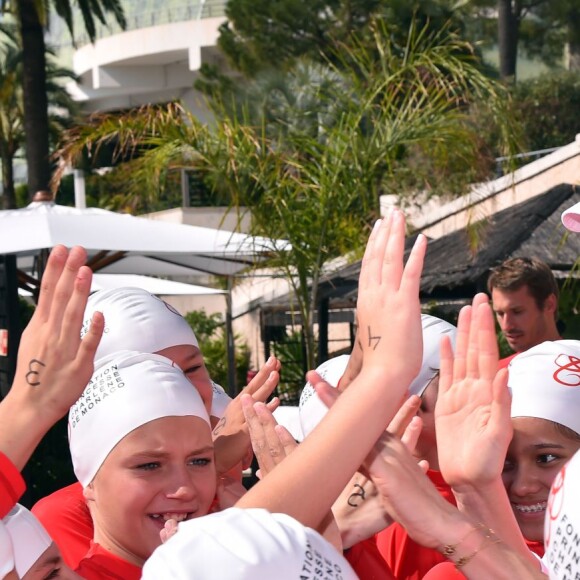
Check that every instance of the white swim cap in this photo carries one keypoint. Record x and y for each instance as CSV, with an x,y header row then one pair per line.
x,y
245,544
545,383
29,538
562,525
571,218
310,407
6,552
289,417
127,390
136,320
220,400
433,330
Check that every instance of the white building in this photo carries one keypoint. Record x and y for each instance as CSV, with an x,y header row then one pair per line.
x,y
156,59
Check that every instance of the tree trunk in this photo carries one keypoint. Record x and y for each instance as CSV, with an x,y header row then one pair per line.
x,y
35,99
573,60
9,195
507,32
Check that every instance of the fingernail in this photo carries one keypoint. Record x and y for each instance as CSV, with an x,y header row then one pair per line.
x,y
419,239
377,224
59,251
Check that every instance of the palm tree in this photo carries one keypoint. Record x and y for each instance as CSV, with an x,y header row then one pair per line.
x,y
11,117
31,16
12,112
319,148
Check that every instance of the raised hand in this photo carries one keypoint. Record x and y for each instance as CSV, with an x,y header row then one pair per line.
x,y
271,442
231,435
472,414
390,321
54,364
407,494
388,307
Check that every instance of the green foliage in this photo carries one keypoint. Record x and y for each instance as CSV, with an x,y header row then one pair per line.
x,y
548,109
261,35
209,330
569,305
12,135
21,193
545,28
310,152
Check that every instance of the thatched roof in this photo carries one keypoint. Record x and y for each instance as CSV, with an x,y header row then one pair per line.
x,y
454,269
531,228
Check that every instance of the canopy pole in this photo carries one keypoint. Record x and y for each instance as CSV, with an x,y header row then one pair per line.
x,y
231,354
80,190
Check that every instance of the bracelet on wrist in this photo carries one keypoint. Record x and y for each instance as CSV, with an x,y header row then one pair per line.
x,y
451,550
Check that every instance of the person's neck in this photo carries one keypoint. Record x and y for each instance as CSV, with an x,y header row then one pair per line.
x,y
111,545
552,332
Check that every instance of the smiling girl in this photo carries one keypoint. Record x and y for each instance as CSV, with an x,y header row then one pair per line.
x,y
142,449
545,386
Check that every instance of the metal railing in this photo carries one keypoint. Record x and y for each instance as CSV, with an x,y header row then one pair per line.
x,y
137,19
528,155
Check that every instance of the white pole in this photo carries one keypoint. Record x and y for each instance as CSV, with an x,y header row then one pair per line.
x,y
80,193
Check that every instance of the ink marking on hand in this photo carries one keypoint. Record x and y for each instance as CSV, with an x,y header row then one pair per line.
x,y
371,338
33,374
351,498
219,427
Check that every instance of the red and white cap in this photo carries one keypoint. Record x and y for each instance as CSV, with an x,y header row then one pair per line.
x,y
562,524
245,544
545,383
29,538
571,218
136,320
127,390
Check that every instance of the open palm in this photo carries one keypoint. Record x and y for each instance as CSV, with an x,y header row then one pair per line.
x,y
472,415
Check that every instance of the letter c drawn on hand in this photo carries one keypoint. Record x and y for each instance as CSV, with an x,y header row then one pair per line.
x,y
33,372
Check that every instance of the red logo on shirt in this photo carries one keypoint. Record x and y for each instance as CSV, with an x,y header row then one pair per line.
x,y
568,373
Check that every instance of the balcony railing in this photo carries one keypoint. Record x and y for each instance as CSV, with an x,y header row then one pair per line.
x,y
137,18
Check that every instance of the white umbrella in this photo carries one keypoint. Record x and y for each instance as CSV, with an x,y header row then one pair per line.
x,y
108,237
154,285
147,246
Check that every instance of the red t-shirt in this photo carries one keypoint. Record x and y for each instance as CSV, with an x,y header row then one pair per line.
x,y
100,564
536,547
12,485
407,559
367,562
67,520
